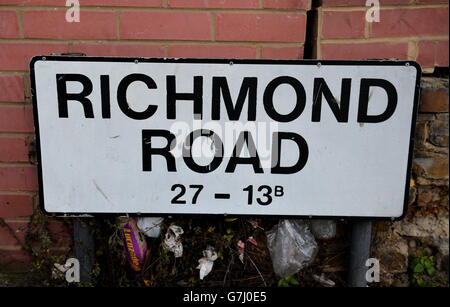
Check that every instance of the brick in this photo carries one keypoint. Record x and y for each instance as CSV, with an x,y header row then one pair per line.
x,y
434,100
11,88
13,149
132,50
61,234
53,24
261,27
361,51
13,233
136,3
165,25
17,56
294,52
432,1
18,178
14,206
411,22
329,3
338,24
9,25
433,53
287,4
225,4
16,119
212,51
15,260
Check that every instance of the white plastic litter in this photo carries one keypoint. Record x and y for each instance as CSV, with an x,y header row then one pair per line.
x,y
150,226
172,240
206,263
323,229
241,249
324,281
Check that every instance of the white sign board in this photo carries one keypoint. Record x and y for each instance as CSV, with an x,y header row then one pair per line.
x,y
240,137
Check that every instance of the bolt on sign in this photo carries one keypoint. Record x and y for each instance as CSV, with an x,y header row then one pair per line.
x,y
146,136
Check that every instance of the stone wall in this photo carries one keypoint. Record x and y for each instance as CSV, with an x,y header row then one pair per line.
x,y
425,229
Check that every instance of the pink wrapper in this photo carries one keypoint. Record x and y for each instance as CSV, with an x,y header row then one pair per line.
x,y
134,243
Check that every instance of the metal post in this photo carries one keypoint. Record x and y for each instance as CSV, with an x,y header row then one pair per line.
x,y
359,253
84,247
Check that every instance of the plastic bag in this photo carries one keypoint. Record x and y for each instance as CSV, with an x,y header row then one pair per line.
x,y
323,229
291,246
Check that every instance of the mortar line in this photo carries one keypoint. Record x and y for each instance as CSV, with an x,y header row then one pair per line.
x,y
16,134
383,39
19,193
20,23
319,33
118,24
157,9
213,22
141,41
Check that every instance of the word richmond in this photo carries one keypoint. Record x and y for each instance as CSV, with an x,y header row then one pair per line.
x,y
223,105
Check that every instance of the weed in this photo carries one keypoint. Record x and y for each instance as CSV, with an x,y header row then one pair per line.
x,y
288,281
423,271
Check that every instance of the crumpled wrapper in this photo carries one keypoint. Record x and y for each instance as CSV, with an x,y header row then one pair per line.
x,y
134,244
172,240
206,263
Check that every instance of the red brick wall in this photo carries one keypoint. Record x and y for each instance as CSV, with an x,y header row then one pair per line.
x,y
147,28
409,29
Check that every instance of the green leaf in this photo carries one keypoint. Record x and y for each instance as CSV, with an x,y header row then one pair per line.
x,y
293,281
283,283
418,268
428,263
421,283
431,271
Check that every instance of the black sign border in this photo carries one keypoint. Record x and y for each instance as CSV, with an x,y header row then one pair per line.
x,y
80,58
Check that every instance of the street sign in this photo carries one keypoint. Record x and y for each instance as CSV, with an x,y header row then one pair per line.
x,y
328,139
